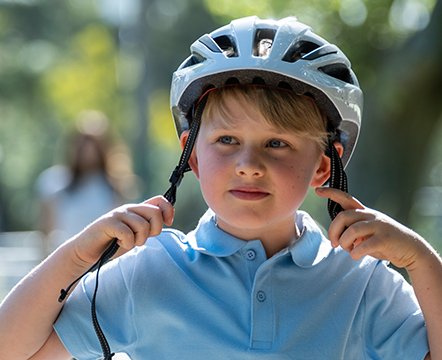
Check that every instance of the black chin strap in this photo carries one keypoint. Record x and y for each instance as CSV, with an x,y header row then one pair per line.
x,y
170,195
183,165
110,251
338,178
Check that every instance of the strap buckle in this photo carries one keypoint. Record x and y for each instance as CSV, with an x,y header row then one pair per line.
x,y
176,176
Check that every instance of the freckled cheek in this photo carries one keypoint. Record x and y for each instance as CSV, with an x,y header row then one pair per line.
x,y
297,175
215,163
293,170
212,169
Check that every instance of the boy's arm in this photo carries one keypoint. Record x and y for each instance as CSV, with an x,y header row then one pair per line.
x,y
426,277
362,231
29,311
52,349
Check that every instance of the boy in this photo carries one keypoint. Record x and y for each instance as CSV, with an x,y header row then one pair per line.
x,y
256,279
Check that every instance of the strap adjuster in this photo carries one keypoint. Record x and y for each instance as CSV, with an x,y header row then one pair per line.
x,y
176,176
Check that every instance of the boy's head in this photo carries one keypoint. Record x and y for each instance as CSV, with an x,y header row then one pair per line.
x,y
277,107
271,60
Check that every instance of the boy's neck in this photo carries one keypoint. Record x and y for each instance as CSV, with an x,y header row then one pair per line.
x,y
275,244
273,238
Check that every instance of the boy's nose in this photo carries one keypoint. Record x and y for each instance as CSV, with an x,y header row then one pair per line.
x,y
250,164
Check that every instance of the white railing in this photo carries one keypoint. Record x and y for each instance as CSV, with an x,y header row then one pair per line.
x,y
20,252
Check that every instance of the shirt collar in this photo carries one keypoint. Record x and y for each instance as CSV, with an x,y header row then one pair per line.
x,y
312,246
208,239
307,251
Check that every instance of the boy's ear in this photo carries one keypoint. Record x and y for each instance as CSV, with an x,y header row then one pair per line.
x,y
193,161
323,171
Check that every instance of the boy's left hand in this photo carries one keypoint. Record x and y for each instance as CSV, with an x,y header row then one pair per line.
x,y
362,231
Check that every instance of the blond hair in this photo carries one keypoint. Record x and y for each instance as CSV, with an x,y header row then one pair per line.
x,y
280,108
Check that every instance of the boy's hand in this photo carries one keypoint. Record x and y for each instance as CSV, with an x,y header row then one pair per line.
x,y
131,224
362,231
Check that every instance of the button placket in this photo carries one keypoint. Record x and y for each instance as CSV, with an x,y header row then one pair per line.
x,y
263,309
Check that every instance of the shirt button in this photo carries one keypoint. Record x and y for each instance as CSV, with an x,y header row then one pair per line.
x,y
261,296
250,255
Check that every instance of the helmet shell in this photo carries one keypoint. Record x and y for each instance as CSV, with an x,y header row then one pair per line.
x,y
298,59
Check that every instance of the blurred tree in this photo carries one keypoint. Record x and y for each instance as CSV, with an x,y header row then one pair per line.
x,y
402,138
402,112
56,60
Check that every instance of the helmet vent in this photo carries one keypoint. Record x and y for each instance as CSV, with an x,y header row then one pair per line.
x,y
285,85
190,61
232,81
338,71
258,81
298,50
227,45
262,45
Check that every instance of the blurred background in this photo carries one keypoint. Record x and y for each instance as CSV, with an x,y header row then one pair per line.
x,y
101,70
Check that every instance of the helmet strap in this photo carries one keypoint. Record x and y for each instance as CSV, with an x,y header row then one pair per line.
x,y
183,165
338,178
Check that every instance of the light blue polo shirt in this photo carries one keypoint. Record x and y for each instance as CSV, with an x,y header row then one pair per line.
x,y
208,295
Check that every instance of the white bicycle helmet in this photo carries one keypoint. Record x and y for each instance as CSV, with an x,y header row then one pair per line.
x,y
298,59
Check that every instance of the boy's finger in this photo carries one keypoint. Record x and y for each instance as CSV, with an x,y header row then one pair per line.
x,y
125,235
345,200
350,225
152,216
356,234
166,207
132,229
144,228
374,246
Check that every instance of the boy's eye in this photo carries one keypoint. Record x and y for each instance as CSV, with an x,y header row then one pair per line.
x,y
227,140
276,143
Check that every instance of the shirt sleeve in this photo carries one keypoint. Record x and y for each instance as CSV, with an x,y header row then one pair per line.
x,y
393,323
114,312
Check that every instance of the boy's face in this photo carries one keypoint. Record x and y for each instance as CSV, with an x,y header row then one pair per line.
x,y
252,175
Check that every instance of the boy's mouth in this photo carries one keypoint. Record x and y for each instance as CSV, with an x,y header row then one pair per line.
x,y
249,193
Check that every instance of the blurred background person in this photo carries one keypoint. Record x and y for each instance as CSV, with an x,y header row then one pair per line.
x,y
92,182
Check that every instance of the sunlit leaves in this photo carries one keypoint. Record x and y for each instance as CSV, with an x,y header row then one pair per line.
x,y
87,78
353,12
4,22
409,16
385,22
161,128
234,8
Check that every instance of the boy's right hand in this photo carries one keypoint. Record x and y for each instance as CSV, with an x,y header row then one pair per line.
x,y
131,224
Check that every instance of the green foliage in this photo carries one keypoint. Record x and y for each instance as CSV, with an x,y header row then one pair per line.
x,y
161,127
86,76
